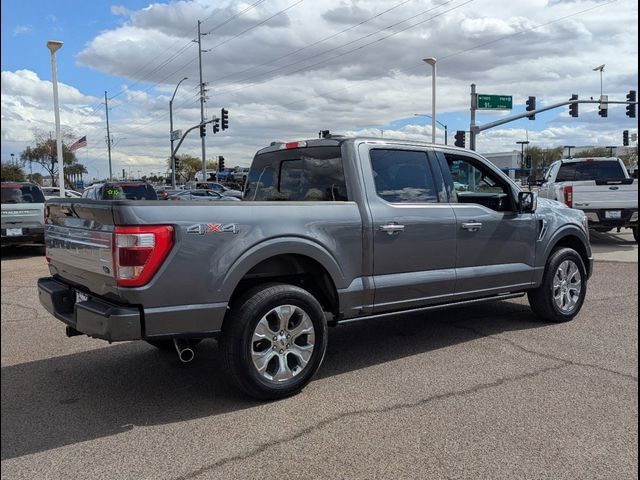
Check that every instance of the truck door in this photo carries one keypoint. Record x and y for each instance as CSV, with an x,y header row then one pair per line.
x,y
413,228
495,243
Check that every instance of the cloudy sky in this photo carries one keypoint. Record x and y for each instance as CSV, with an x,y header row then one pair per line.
x,y
286,69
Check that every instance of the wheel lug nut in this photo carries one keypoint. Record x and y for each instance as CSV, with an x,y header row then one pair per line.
x,y
288,336
281,351
288,345
282,332
275,338
274,347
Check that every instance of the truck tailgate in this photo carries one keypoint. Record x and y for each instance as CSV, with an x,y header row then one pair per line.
x,y
78,239
589,195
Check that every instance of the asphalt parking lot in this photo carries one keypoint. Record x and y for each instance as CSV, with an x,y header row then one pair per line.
x,y
487,392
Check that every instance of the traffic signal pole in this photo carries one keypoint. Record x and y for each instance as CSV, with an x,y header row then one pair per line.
x,y
476,129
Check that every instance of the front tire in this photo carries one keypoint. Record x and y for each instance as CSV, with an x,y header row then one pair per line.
x,y
564,286
273,341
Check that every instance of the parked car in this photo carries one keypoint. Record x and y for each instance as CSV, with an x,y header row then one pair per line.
x,y
600,187
218,188
125,190
22,213
54,192
203,194
166,193
331,231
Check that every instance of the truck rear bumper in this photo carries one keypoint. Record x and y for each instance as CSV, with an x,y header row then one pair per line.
x,y
91,316
598,218
26,236
100,318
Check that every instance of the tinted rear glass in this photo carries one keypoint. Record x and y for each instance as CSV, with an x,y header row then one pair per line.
x,y
131,191
590,170
304,174
17,193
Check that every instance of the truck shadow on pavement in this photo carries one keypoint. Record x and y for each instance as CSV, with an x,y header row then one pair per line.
x,y
65,400
15,252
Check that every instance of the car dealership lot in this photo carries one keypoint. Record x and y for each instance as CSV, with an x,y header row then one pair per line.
x,y
481,392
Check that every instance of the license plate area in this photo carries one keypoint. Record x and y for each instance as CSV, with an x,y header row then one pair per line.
x,y
613,214
14,232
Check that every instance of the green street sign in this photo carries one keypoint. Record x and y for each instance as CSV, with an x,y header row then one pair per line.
x,y
176,134
494,102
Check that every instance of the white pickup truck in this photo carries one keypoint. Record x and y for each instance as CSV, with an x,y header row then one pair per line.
x,y
601,187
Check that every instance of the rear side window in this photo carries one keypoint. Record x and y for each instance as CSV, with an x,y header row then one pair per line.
x,y
133,191
304,174
590,170
20,193
403,176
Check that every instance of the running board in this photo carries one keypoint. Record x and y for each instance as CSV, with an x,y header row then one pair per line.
x,y
433,307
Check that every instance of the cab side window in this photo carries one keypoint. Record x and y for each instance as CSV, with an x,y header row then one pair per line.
x,y
403,176
474,182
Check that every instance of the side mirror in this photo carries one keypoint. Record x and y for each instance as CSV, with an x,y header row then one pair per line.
x,y
527,202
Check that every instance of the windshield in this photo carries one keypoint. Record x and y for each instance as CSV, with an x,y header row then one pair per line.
x,y
129,191
590,170
19,193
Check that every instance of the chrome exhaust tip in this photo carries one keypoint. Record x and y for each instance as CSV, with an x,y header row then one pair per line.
x,y
184,350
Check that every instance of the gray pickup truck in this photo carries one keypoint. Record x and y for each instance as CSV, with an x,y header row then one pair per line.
x,y
330,231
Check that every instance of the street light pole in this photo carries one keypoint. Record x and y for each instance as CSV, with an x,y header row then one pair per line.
x,y
432,61
53,47
438,122
569,147
173,157
522,144
601,69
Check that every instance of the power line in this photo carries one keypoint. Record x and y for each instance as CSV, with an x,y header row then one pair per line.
x,y
313,44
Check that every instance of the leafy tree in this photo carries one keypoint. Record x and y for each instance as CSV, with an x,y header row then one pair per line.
x,y
593,152
630,157
45,153
188,167
12,173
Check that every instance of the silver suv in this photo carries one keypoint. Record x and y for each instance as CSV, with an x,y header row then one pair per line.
x,y
22,213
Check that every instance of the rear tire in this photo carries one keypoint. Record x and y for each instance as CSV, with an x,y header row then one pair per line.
x,y
561,294
274,341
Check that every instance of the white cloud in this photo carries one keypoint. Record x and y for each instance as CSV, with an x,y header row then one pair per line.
x,y
22,29
306,70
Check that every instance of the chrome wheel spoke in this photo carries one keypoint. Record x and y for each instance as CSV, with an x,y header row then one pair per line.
x,y
284,313
261,360
567,286
303,353
284,372
304,327
262,331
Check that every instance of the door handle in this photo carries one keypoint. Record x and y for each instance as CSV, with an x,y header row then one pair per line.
x,y
472,226
391,228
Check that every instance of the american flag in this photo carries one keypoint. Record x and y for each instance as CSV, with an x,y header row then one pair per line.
x,y
79,144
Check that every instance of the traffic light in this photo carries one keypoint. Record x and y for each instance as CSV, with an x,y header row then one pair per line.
x,y
224,113
177,163
216,125
631,107
573,108
460,138
203,131
531,106
528,161
603,108
625,138
220,163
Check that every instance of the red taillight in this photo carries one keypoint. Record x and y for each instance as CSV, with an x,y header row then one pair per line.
x,y
138,252
568,196
289,145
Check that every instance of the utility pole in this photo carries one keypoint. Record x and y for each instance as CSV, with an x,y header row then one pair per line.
x,y
106,109
204,148
474,106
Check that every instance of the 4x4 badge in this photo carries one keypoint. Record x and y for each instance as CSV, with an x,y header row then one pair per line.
x,y
202,228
